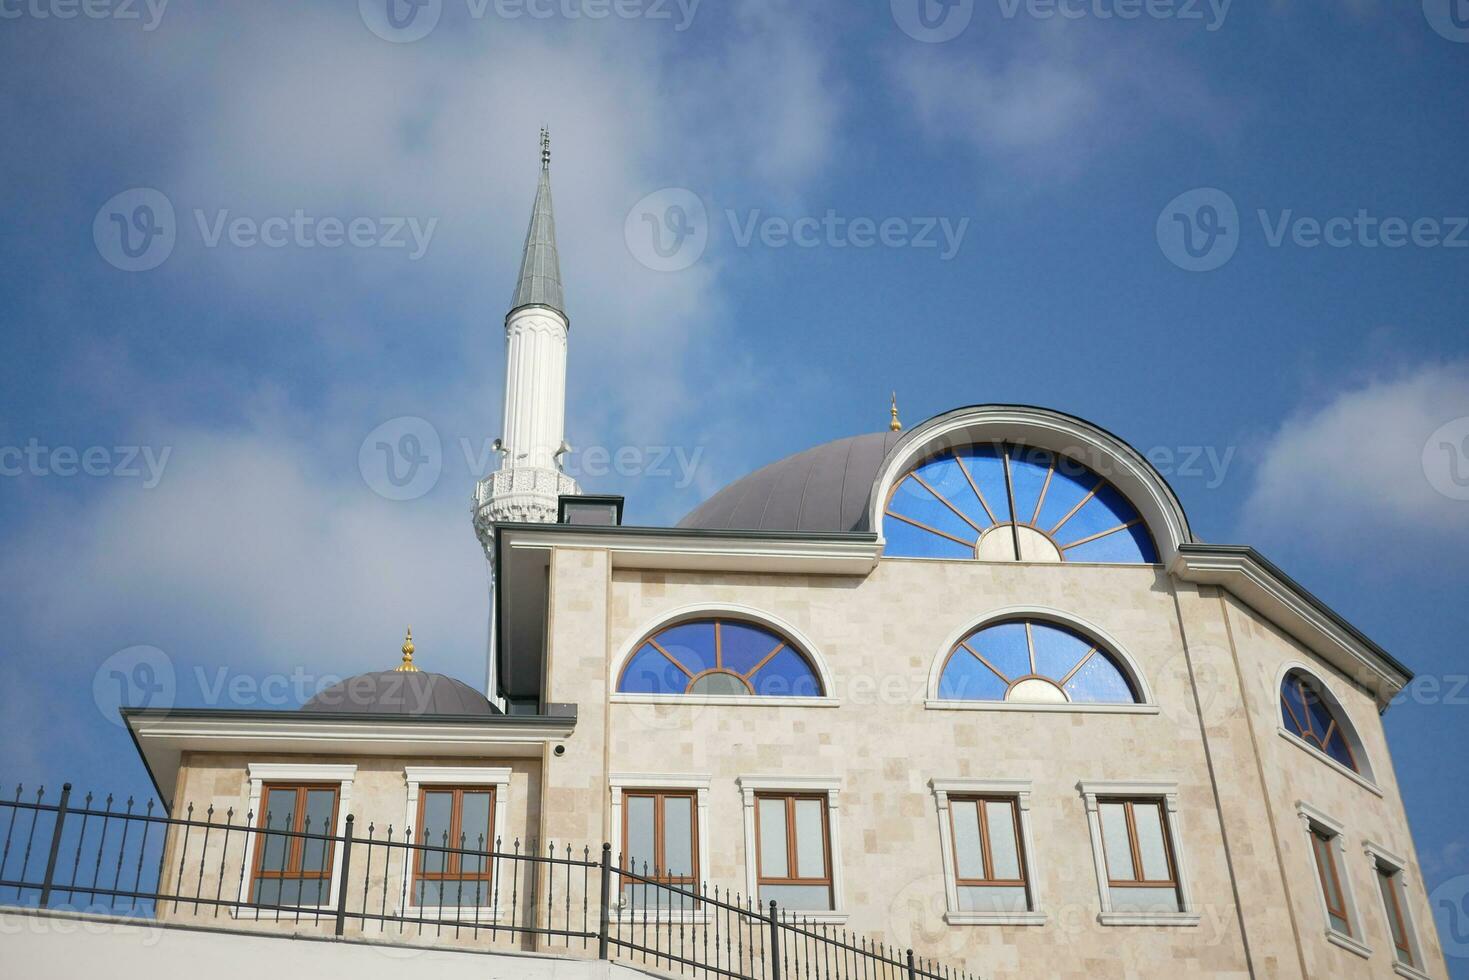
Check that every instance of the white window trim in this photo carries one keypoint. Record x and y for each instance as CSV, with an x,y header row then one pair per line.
x,y
622,782
419,776
1320,756
831,786
1311,818
1167,792
1020,790
1146,706
1365,778
261,773
1379,855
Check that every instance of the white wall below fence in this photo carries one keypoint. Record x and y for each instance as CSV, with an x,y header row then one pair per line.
x,y
65,946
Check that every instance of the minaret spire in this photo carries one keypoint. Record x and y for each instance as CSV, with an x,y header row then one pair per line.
x,y
540,266
530,478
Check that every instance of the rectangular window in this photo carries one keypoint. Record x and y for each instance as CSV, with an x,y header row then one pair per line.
x,y
291,870
660,841
989,858
1323,845
1397,923
1141,875
793,846
451,821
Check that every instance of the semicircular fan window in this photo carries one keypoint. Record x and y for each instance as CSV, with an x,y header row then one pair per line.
x,y
1004,502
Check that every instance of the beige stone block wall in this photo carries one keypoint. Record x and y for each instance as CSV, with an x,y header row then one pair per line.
x,y
207,862
1294,774
879,637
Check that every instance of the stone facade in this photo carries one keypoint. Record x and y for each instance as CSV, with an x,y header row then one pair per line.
x,y
1212,730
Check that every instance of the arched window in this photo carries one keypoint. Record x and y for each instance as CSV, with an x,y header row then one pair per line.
x,y
1034,661
719,657
1004,502
1306,715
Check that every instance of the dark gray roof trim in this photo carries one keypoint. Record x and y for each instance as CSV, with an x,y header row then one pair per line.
x,y
540,267
1246,551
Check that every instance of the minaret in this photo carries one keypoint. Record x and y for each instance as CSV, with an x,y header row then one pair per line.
x,y
530,479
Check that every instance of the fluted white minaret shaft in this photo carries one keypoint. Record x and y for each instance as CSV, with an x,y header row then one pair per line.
x,y
530,478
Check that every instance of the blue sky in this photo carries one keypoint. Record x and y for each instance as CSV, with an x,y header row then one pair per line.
x,y
1307,400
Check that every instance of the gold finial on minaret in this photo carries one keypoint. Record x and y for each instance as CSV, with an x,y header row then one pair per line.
x,y
895,425
407,663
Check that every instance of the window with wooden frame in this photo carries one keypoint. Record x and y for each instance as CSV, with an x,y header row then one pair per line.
x,y
990,870
1389,884
456,828
660,842
1323,847
293,857
1142,872
793,850
1306,714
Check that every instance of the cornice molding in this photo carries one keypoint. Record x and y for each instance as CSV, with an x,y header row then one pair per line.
x,y
1246,575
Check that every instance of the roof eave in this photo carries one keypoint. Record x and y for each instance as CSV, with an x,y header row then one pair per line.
x,y
1262,585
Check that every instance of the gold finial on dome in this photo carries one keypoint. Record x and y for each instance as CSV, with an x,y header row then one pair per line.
x,y
407,663
895,425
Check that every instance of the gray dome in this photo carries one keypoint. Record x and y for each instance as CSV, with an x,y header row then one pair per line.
x,y
408,693
824,488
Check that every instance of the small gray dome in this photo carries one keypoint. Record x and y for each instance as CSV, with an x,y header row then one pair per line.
x,y
824,488
410,693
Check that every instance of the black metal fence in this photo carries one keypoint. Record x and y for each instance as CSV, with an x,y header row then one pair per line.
x,y
122,859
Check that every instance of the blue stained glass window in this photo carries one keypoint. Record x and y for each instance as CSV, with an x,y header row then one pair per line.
x,y
1305,714
1064,511
1033,660
719,656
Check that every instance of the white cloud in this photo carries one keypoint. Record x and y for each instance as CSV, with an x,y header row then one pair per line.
x,y
1048,96
1350,473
